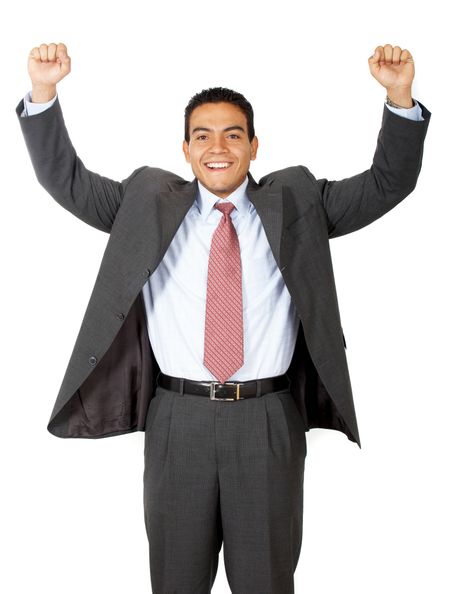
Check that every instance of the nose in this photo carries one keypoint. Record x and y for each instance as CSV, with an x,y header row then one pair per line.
x,y
218,145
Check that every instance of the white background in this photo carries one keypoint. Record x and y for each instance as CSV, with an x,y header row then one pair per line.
x,y
376,519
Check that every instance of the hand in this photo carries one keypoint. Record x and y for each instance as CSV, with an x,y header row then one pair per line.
x,y
47,65
393,68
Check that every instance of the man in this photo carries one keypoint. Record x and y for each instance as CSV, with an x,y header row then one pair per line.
x,y
214,325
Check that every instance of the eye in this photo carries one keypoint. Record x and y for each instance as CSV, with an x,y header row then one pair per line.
x,y
201,137
234,136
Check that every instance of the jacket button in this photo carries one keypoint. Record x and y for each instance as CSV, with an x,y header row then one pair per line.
x,y
146,272
92,360
120,316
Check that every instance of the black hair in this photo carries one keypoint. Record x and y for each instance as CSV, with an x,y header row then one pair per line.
x,y
218,95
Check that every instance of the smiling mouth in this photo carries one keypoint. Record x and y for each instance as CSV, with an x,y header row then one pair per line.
x,y
218,165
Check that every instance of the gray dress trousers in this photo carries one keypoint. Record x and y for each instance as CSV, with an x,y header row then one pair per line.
x,y
228,471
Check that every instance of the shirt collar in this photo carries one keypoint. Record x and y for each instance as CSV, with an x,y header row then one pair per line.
x,y
206,200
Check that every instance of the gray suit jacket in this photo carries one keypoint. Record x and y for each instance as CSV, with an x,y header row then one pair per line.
x,y
110,377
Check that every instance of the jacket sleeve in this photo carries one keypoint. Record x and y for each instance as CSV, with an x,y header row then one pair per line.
x,y
357,201
89,196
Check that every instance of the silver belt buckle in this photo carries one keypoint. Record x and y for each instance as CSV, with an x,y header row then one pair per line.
x,y
212,390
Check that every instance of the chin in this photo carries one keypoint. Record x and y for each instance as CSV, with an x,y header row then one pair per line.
x,y
216,188
222,190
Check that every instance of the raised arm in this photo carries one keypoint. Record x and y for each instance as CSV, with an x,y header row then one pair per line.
x,y
356,201
89,196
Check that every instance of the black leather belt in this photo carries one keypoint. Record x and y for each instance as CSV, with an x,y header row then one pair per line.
x,y
226,391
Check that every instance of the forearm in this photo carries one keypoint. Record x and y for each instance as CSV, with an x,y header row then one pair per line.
x,y
357,201
89,196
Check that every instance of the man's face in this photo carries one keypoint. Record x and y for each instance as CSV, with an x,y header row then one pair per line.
x,y
219,149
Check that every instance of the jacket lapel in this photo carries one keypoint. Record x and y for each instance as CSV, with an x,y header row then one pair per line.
x,y
268,202
173,205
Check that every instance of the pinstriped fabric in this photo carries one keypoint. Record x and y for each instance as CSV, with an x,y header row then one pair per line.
x,y
224,334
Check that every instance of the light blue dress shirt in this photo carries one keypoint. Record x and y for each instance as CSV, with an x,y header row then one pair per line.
x,y
175,293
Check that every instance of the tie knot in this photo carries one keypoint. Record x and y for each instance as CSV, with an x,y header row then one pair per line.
x,y
224,207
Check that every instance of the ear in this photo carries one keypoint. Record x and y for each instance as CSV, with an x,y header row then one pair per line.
x,y
187,155
254,148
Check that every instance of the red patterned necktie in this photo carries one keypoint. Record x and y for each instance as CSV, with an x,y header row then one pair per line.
x,y
224,335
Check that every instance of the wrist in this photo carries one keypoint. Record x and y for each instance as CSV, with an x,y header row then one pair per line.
x,y
401,96
42,93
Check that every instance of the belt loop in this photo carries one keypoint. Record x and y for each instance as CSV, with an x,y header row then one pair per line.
x,y
181,385
258,388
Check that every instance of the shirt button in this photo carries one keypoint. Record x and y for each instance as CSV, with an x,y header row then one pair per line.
x,y
92,360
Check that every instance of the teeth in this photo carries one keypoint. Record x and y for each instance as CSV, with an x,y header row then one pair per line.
x,y
218,165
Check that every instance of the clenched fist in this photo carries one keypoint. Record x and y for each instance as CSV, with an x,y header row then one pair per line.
x,y
47,65
393,68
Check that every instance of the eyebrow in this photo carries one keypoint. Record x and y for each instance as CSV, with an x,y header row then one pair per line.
x,y
224,130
